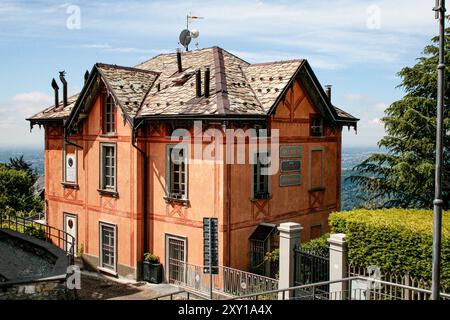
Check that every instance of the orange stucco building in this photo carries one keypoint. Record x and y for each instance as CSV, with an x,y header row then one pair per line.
x,y
110,179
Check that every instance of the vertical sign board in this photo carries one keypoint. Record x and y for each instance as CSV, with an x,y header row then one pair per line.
x,y
210,245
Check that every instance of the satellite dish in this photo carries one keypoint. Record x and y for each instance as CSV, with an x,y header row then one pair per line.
x,y
194,34
185,38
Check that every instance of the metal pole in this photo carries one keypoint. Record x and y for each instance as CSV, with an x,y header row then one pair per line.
x,y
437,219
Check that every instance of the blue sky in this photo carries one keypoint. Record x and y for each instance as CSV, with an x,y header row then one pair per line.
x,y
358,46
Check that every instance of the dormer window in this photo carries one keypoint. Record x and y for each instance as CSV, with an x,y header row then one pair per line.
x,y
109,115
316,126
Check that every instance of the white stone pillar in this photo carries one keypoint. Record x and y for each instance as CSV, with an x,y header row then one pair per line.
x,y
338,266
290,233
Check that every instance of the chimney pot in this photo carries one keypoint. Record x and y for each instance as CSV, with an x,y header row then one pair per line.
x,y
56,88
179,63
64,82
207,75
198,82
328,91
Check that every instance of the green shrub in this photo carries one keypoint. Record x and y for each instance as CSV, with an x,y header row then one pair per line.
x,y
319,245
395,240
151,258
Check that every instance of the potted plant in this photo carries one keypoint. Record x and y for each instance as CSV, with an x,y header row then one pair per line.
x,y
151,268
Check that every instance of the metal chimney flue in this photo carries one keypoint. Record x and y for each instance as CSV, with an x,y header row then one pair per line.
x,y
56,88
207,75
64,82
179,62
198,83
328,91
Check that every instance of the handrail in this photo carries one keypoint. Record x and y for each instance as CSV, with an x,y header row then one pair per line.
x,y
51,234
318,284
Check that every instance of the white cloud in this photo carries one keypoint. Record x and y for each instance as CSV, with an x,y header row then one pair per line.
x,y
14,129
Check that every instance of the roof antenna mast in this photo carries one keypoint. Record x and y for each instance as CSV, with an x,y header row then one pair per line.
x,y
187,35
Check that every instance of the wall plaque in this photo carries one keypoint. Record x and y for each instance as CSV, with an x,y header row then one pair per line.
x,y
287,180
71,168
291,151
290,165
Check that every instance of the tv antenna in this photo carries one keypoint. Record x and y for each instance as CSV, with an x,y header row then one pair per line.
x,y
187,35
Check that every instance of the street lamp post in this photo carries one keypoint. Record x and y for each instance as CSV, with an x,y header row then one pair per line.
x,y
437,220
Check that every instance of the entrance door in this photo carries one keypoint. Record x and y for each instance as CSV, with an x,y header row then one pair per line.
x,y
71,227
176,259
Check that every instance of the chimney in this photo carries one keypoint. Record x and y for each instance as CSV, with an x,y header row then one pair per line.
x,y
328,90
86,76
198,83
56,88
158,86
180,66
64,82
207,82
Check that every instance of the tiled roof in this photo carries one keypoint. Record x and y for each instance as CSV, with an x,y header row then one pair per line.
x,y
60,113
155,88
130,85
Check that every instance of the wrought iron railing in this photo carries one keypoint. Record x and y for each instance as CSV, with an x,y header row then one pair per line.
x,y
228,281
179,295
41,231
311,267
397,278
352,288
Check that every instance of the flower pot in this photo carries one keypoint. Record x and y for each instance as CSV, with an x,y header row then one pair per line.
x,y
152,272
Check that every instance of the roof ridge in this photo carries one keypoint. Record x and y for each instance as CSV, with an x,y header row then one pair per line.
x,y
99,64
276,62
223,103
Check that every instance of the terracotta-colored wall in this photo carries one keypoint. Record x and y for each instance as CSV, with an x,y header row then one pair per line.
x,y
292,203
84,200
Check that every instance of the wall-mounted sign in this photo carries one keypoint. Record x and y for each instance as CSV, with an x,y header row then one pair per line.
x,y
287,180
291,151
290,165
71,168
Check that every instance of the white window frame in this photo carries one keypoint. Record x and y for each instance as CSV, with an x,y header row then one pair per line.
x,y
100,233
103,186
169,183
254,183
109,115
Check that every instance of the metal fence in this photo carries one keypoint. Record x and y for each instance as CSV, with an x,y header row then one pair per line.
x,y
227,282
311,267
354,288
41,231
396,279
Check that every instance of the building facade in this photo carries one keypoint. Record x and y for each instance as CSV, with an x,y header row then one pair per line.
x,y
126,169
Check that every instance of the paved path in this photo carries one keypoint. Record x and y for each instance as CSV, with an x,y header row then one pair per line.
x,y
96,286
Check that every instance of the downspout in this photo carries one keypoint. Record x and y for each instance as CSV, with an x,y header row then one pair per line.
x,y
144,187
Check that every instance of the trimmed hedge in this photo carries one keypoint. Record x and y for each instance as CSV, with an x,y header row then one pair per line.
x,y
396,240
319,245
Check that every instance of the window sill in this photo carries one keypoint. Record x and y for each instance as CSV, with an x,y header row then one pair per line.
x,y
108,271
70,185
109,135
169,199
111,193
317,189
265,197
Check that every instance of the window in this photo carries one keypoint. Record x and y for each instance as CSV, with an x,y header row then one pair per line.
x,y
108,244
108,167
316,126
316,169
109,118
260,176
177,172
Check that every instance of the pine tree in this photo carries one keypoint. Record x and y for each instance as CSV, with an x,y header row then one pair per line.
x,y
403,176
